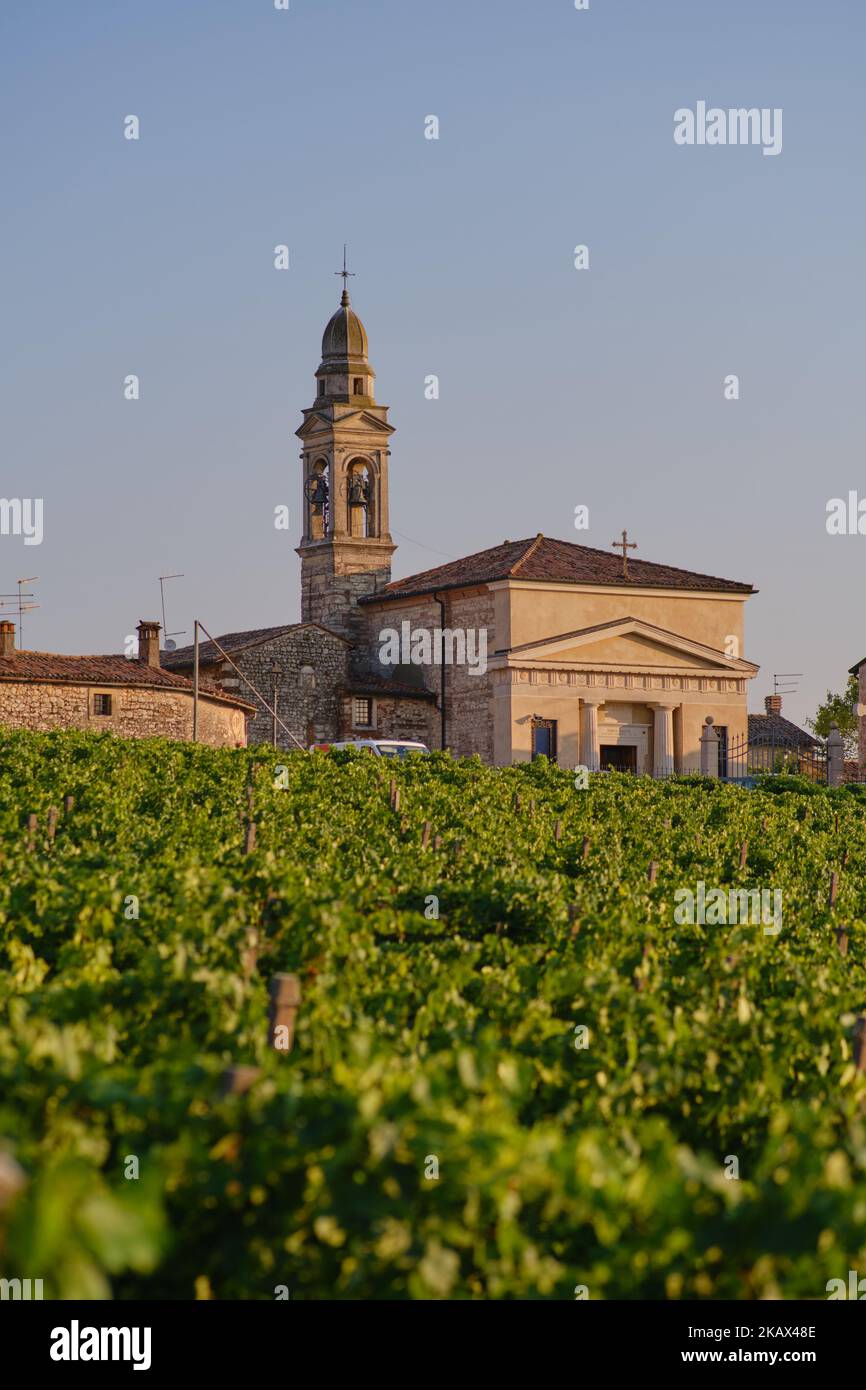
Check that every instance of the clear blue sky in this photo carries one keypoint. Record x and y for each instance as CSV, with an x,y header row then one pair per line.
x,y
558,387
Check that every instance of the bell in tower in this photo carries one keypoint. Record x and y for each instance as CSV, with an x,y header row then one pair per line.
x,y
346,547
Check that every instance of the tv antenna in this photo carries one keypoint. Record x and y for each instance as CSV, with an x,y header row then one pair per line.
x,y
779,677
19,603
169,643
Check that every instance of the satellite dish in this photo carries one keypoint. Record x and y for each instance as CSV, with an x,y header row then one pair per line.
x,y
170,644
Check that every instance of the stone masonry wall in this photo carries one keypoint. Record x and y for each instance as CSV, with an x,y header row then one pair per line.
x,y
468,696
312,715
395,718
330,596
136,712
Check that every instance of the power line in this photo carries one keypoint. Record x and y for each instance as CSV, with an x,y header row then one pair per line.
x,y
423,546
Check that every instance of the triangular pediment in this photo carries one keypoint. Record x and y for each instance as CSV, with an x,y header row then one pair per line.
x,y
316,423
627,642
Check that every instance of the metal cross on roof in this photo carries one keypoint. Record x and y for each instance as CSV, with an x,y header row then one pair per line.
x,y
625,545
344,272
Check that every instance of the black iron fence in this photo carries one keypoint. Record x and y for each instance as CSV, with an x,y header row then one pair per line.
x,y
742,759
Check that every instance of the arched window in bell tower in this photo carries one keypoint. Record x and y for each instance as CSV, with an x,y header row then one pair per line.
x,y
359,497
318,494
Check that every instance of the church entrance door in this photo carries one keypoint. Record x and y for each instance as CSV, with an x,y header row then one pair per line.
x,y
619,757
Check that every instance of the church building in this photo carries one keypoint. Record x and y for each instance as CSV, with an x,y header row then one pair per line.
x,y
532,646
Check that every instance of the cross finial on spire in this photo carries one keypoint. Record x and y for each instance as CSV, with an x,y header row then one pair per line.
x,y
625,545
346,274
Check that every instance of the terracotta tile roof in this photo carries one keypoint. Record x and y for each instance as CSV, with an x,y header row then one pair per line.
x,y
56,667
381,685
552,561
232,642
774,729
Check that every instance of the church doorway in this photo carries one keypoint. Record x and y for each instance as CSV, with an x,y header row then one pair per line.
x,y
618,757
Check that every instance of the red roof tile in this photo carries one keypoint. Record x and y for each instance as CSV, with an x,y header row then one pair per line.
x,y
555,562
56,667
232,642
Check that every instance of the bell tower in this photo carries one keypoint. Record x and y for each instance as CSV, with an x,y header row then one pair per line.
x,y
346,547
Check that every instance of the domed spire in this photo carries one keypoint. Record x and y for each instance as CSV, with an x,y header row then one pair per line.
x,y
344,339
345,372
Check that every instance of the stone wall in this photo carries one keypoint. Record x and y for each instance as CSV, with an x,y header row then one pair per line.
x,y
136,712
395,718
312,714
334,578
468,695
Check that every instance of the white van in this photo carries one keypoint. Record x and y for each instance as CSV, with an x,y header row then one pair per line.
x,y
379,747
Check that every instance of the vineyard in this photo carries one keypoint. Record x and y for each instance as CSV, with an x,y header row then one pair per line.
x,y
514,1074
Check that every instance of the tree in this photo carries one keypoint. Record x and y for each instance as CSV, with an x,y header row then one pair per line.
x,y
841,710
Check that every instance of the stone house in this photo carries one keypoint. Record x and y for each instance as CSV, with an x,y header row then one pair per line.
x,y
530,646
133,697
299,677
772,730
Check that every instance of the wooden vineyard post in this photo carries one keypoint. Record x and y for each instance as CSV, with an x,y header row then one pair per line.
x,y
285,1000
437,841
860,1043
652,871
584,852
572,917
250,953
32,824
425,834
639,977
394,796
52,821
250,831
236,1081
834,889
842,941
68,803
557,830
532,807
515,805
744,853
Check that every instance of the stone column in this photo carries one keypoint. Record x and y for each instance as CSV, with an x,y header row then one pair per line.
x,y
589,752
663,739
835,757
709,749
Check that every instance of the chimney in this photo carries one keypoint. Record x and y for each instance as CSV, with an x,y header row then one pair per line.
x,y
773,704
148,643
7,638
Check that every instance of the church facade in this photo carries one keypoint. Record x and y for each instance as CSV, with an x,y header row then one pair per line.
x,y
531,646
